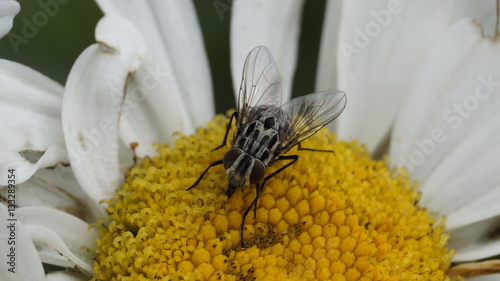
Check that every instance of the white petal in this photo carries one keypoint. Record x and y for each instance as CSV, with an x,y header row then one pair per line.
x,y
381,46
447,131
56,188
30,120
53,251
172,90
27,264
61,239
8,10
476,241
152,114
464,185
447,136
65,276
326,78
274,24
93,102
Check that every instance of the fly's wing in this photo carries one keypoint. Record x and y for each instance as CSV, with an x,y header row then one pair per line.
x,y
260,85
304,116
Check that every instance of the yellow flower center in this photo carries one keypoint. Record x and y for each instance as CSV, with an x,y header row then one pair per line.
x,y
329,216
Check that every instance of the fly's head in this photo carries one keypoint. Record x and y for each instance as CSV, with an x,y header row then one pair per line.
x,y
242,169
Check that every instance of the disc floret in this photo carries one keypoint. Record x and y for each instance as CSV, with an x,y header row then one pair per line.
x,y
341,216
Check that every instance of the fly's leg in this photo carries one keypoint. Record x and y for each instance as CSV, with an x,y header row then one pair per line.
x,y
235,116
294,159
260,187
218,162
243,243
312,149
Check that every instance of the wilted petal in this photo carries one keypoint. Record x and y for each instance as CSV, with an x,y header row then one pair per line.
x,y
379,53
93,103
61,239
8,10
274,24
30,119
480,269
28,265
172,90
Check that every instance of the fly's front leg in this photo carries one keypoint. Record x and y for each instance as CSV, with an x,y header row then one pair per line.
x,y
254,203
312,149
294,159
235,116
259,188
218,162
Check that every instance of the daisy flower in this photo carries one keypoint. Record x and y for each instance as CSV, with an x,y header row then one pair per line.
x,y
424,93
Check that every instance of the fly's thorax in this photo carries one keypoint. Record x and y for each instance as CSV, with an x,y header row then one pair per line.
x,y
260,138
242,169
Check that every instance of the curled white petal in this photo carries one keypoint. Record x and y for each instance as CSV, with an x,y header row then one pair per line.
x,y
61,239
52,250
172,90
30,118
93,103
26,264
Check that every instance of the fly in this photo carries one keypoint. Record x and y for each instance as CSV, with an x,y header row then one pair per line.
x,y
266,129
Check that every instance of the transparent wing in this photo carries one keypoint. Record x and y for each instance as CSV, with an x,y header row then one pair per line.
x,y
260,84
304,116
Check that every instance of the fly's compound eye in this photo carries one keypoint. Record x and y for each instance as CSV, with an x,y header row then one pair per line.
x,y
258,171
231,156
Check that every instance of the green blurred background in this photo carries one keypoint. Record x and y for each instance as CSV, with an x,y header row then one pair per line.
x,y
56,45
